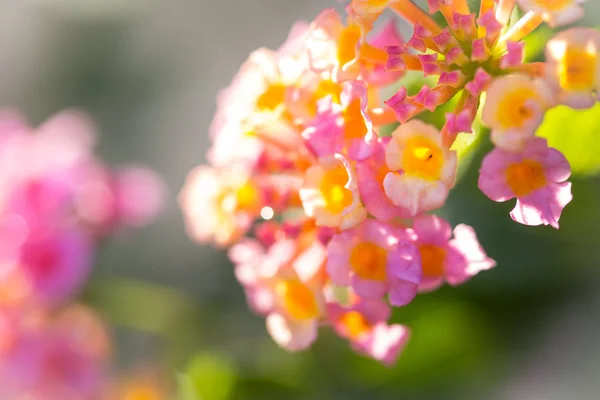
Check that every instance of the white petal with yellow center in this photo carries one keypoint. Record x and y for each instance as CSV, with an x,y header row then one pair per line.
x,y
330,194
514,108
423,169
573,66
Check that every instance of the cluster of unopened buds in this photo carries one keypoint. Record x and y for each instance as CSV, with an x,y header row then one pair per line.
x,y
328,217
58,202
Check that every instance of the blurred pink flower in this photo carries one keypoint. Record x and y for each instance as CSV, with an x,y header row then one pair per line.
x,y
442,259
364,323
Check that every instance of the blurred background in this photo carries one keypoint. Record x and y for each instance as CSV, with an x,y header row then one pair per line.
x,y
148,72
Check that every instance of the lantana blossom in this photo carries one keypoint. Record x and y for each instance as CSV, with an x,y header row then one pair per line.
x,y
536,177
347,177
375,259
364,324
515,106
444,259
423,170
573,66
330,193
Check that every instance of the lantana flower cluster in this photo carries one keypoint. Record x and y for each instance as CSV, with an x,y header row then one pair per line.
x,y
58,203
327,218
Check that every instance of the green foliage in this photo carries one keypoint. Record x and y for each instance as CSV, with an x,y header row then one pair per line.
x,y
208,376
186,389
576,133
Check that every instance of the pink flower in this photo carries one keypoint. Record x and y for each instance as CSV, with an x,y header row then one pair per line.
x,y
423,170
219,205
64,359
365,325
250,111
376,74
130,196
284,283
375,259
370,174
330,194
56,262
572,59
333,47
536,177
443,259
514,109
343,128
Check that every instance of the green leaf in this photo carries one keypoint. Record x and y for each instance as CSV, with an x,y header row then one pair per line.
x,y
208,376
576,133
535,43
185,388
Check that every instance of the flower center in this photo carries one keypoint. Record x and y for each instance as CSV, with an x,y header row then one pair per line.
x,y
517,108
368,261
326,87
578,69
272,97
433,259
244,197
336,196
422,158
297,299
525,177
355,324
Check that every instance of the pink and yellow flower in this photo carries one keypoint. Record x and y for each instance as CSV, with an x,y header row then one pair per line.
x,y
423,170
375,259
343,128
444,259
573,66
219,205
285,284
514,108
330,194
364,324
371,174
536,177
338,52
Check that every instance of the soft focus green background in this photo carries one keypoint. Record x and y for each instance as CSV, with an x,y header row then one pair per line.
x,y
148,72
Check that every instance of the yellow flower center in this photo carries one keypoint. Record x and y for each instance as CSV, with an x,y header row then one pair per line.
x,y
297,299
433,259
272,97
354,126
332,187
525,177
577,69
355,324
422,158
244,197
368,261
247,196
325,88
514,110
347,44
553,5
